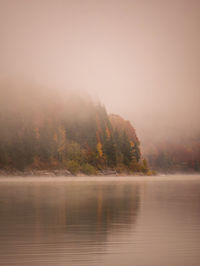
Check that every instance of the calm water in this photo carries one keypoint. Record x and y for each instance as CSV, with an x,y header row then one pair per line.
x,y
148,221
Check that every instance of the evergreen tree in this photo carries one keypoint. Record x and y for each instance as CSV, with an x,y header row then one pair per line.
x,y
126,150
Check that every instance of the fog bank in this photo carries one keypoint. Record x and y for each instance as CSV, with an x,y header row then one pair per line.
x,y
141,58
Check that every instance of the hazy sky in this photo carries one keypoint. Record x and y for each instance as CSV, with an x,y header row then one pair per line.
x,y
140,57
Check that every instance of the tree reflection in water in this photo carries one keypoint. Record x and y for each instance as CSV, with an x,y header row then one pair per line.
x,y
63,221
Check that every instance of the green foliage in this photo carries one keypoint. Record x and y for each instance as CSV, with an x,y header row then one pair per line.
x,y
136,152
88,169
110,151
75,152
151,172
73,167
126,150
144,167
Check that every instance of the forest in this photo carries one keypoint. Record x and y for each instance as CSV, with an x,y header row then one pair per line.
x,y
47,129
180,156
55,131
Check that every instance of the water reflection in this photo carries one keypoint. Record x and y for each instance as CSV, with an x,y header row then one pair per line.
x,y
63,222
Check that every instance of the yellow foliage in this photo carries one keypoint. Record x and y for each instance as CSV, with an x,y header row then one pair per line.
x,y
99,149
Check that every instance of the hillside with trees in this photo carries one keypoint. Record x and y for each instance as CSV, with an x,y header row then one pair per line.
x,y
51,131
179,156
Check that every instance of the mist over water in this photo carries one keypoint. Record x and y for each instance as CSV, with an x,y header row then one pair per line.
x,y
100,221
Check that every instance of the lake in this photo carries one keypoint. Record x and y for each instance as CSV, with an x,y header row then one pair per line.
x,y
109,221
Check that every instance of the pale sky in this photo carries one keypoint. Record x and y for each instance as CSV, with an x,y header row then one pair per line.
x,y
139,57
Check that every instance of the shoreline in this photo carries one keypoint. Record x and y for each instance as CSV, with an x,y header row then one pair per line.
x,y
66,174
63,173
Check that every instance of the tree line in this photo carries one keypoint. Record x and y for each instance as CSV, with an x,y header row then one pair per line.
x,y
75,134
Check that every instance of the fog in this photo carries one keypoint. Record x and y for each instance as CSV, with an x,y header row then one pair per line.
x,y
140,58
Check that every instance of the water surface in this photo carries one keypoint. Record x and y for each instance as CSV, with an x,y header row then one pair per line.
x,y
147,221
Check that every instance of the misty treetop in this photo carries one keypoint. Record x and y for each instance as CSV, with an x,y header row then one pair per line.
x,y
70,131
